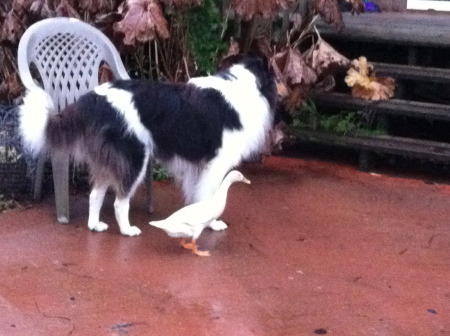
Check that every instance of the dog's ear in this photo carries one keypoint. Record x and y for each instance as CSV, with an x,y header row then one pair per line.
x,y
228,61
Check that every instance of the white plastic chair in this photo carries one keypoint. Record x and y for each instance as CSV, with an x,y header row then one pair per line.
x,y
67,53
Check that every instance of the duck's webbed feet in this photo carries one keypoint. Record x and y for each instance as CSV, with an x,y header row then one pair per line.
x,y
193,246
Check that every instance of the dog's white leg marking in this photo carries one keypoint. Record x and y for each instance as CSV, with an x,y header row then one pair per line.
x,y
122,208
95,204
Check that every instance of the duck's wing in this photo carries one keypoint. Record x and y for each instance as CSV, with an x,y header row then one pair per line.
x,y
194,214
175,229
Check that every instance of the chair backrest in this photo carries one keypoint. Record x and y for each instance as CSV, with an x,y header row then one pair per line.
x,y
67,53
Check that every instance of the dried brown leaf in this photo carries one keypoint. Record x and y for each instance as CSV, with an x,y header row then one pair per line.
x,y
10,88
233,48
105,74
263,47
13,28
65,9
292,68
180,3
324,59
330,12
143,21
21,6
41,8
247,9
357,6
298,94
96,6
275,139
327,84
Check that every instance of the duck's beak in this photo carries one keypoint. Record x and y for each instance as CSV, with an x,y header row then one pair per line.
x,y
246,181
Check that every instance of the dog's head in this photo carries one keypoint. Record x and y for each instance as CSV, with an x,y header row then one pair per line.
x,y
259,66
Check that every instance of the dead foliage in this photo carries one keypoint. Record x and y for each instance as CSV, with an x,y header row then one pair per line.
x,y
152,36
330,12
357,6
143,21
365,84
248,9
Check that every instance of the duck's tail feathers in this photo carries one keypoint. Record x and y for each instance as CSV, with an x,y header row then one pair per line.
x,y
159,224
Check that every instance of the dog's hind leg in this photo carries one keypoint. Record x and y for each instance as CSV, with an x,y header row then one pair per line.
x,y
124,194
121,209
95,203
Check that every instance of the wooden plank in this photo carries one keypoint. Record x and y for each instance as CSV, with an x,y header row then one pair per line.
x,y
435,75
409,29
380,144
390,106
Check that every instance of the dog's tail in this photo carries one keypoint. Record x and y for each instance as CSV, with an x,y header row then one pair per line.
x,y
33,115
41,127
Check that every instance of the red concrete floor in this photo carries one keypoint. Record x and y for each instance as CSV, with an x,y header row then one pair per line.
x,y
312,248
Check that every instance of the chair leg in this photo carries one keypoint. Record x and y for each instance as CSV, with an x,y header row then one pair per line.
x,y
149,186
60,166
39,177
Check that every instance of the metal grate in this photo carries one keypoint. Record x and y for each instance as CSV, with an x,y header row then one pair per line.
x,y
16,168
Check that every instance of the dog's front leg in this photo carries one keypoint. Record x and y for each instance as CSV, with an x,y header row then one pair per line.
x,y
121,209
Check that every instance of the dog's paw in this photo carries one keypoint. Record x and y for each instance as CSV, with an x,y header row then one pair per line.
x,y
131,231
218,225
99,226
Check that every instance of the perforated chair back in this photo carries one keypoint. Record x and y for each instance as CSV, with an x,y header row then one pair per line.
x,y
67,53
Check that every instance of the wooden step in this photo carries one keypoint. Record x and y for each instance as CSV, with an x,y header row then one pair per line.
x,y
391,106
380,144
428,74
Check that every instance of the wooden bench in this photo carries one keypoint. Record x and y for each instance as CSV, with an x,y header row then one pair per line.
x,y
413,31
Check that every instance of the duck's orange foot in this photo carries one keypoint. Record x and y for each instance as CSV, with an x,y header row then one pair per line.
x,y
188,246
193,246
202,253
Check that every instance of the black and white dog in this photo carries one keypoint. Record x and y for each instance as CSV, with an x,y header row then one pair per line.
x,y
198,131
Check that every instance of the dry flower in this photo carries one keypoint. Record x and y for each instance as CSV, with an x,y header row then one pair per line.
x,y
361,78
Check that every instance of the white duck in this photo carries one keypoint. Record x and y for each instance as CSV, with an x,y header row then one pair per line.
x,y
190,221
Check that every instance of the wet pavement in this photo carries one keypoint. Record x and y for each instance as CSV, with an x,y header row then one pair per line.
x,y
312,248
